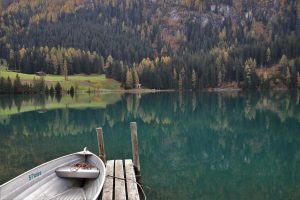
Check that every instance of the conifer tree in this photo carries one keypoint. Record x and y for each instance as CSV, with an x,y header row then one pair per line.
x,y
284,61
65,70
298,80
135,76
51,91
174,78
180,82
129,80
194,79
40,86
72,91
249,71
58,89
181,79
46,90
268,55
26,88
9,86
288,76
17,85
2,85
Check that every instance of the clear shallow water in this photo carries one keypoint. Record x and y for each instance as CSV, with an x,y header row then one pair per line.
x,y
192,146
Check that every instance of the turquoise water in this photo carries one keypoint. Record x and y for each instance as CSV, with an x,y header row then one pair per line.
x,y
229,145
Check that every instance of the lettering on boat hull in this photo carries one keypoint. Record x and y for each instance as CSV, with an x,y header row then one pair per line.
x,y
34,175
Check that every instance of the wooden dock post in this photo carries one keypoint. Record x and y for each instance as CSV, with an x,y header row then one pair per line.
x,y
101,145
135,149
122,176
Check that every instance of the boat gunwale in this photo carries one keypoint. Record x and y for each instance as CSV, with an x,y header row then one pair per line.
x,y
56,159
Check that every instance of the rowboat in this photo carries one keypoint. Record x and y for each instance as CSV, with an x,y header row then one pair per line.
x,y
79,175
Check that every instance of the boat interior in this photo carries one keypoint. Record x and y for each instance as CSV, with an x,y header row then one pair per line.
x,y
58,180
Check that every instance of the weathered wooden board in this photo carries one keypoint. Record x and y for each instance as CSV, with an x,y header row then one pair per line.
x,y
108,188
132,190
114,186
120,191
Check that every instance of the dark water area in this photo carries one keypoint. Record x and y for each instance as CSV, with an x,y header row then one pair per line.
x,y
229,145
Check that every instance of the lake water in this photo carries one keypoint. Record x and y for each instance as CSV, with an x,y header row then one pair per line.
x,y
230,145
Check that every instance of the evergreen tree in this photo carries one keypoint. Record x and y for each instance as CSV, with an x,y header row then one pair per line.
x,y
108,66
284,62
219,69
26,88
51,91
9,86
46,90
58,89
17,85
65,69
72,91
174,79
40,86
3,65
34,85
293,71
288,77
2,85
298,80
181,79
268,56
194,79
250,77
180,82
135,76
129,79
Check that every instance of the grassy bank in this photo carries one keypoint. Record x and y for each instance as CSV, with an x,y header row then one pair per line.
x,y
82,83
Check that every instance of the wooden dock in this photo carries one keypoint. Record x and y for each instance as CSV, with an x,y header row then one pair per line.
x,y
121,182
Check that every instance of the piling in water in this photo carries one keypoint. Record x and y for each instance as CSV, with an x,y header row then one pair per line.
x,y
135,149
101,145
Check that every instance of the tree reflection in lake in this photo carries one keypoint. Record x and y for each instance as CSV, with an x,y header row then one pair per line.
x,y
227,145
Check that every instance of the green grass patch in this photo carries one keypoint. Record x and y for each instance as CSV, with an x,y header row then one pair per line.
x,y
83,83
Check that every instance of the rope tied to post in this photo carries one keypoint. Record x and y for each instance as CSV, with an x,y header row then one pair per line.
x,y
125,179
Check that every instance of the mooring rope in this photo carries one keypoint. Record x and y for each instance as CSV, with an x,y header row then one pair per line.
x,y
81,165
141,187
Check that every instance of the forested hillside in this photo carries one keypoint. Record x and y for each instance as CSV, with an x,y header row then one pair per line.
x,y
181,44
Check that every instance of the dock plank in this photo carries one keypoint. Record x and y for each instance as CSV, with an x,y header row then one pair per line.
x,y
132,189
120,191
107,192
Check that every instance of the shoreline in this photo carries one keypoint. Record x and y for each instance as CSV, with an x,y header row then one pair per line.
x,y
148,91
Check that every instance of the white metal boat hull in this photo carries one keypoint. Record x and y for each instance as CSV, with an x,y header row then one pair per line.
x,y
43,183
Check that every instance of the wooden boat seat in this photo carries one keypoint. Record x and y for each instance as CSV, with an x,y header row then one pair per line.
x,y
74,193
72,171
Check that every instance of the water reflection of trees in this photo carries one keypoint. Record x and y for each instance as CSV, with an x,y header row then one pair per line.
x,y
232,143
9,102
216,142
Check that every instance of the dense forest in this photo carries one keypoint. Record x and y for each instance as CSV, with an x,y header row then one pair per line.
x,y
182,44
